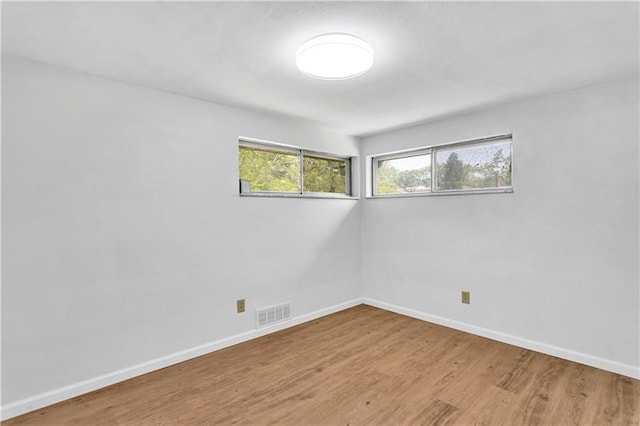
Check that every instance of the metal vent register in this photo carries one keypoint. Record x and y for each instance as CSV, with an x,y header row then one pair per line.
x,y
273,314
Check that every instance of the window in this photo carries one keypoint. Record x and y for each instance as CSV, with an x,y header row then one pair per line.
x,y
321,174
474,166
283,170
404,173
269,169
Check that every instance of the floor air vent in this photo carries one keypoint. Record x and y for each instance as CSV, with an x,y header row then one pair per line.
x,y
273,314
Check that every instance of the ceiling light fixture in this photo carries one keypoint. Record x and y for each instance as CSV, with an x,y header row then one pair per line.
x,y
334,56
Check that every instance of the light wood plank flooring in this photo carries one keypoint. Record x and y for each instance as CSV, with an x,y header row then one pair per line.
x,y
362,366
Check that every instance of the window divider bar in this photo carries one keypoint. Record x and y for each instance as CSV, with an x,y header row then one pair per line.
x,y
374,176
434,174
300,170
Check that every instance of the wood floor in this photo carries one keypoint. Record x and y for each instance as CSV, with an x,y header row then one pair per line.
x,y
362,366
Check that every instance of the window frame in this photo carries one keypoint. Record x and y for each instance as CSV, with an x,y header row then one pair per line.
x,y
301,153
395,156
326,156
433,150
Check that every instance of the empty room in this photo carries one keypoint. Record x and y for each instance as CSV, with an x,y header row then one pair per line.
x,y
320,213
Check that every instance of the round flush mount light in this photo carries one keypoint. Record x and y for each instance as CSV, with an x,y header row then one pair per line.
x,y
334,56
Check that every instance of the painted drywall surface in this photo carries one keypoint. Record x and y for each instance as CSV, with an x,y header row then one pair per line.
x,y
556,261
124,238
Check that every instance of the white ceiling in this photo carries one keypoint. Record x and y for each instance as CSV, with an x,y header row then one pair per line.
x,y
433,59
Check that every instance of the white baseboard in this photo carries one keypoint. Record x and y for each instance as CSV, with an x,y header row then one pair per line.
x,y
568,354
57,395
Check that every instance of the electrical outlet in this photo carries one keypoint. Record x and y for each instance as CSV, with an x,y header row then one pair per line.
x,y
240,305
466,297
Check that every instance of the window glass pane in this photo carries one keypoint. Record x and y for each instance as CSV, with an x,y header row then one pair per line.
x,y
404,175
269,170
474,167
324,175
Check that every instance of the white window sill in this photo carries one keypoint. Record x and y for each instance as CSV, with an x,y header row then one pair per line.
x,y
313,196
443,193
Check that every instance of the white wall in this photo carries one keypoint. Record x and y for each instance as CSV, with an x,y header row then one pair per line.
x,y
553,265
124,238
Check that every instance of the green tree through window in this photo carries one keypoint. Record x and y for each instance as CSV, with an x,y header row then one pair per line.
x,y
451,174
268,170
474,167
324,175
404,174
